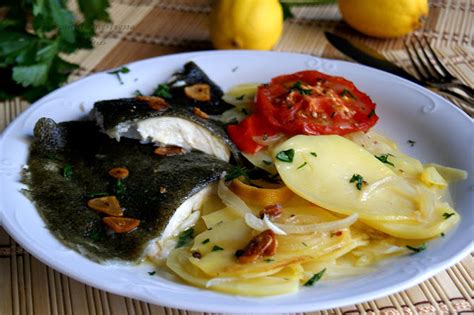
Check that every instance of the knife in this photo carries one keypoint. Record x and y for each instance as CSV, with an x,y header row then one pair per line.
x,y
368,56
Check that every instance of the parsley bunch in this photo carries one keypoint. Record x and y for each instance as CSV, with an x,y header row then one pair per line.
x,y
33,36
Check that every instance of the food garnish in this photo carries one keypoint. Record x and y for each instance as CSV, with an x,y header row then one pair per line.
x,y
263,244
315,278
121,225
118,72
384,159
119,172
154,102
198,112
199,92
163,90
422,247
67,171
216,248
108,205
358,179
185,237
286,155
447,215
168,150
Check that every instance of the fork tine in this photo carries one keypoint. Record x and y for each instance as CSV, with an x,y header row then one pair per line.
x,y
428,64
429,74
420,74
438,62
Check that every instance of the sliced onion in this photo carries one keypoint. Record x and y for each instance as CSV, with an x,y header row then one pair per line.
x,y
400,184
231,200
215,281
262,225
320,227
268,140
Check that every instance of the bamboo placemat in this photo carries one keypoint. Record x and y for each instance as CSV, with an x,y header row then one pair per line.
x,y
147,28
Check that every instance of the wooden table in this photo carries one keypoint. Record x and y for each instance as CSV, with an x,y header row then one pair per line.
x,y
143,29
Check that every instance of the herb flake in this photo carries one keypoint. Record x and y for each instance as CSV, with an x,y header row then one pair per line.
x,y
411,143
372,113
302,165
67,171
205,241
267,162
216,248
297,86
313,154
185,237
422,247
268,260
286,155
447,215
162,90
118,72
152,273
349,93
315,278
119,187
239,98
384,159
358,179
237,172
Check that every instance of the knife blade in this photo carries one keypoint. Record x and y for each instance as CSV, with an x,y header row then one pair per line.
x,y
367,56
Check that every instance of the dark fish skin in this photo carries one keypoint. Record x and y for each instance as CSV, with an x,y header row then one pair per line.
x,y
89,154
122,110
192,74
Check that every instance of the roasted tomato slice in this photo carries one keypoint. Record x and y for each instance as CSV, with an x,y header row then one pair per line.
x,y
252,126
311,102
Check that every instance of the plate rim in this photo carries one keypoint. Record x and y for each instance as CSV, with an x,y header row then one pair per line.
x,y
360,297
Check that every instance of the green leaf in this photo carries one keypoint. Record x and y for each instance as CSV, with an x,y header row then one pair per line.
x,y
163,90
63,19
67,171
94,9
216,248
447,215
34,75
286,155
422,247
315,278
358,179
185,237
384,159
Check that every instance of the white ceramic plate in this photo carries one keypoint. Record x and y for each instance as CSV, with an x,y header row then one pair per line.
x,y
443,134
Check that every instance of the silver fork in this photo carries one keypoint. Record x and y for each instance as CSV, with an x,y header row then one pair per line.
x,y
433,73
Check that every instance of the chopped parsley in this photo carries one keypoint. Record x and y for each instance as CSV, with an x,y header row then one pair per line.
x,y
267,162
236,172
297,87
447,215
372,113
384,158
358,179
349,93
137,93
302,165
185,237
163,90
286,155
411,143
313,154
417,249
152,273
241,97
205,241
442,234
216,248
67,171
118,72
119,187
304,244
268,260
315,278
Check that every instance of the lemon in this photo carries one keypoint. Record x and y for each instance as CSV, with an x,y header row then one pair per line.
x,y
246,24
384,18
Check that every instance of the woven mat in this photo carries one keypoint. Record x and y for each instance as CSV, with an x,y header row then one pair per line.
x,y
147,28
